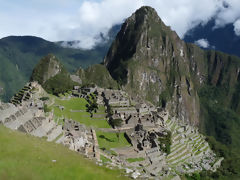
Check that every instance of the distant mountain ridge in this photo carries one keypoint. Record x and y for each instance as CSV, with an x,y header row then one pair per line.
x,y
20,54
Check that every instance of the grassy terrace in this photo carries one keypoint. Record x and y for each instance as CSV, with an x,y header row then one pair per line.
x,y
24,157
177,152
178,157
104,159
131,160
75,109
108,140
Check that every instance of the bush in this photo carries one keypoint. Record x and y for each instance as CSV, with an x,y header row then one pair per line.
x,y
46,108
165,142
44,98
115,122
58,84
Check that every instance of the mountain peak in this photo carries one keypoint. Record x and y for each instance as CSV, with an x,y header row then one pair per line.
x,y
149,60
141,33
144,15
48,67
147,10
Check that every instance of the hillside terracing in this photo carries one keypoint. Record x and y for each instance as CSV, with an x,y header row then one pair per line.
x,y
146,143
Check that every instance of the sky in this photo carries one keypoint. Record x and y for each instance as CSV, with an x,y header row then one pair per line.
x,y
84,20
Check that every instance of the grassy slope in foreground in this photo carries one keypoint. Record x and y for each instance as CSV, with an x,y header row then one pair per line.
x,y
25,157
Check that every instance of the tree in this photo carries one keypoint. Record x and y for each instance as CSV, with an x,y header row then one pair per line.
x,y
44,98
46,108
118,135
116,122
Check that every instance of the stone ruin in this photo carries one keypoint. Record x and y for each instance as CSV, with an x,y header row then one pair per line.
x,y
80,138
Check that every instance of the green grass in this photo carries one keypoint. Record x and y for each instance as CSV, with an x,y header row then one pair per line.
x,y
179,157
176,147
205,149
104,159
201,146
73,103
182,161
131,160
110,140
180,150
24,157
194,150
168,121
197,153
83,117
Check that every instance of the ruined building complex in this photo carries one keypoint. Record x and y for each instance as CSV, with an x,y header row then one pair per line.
x,y
159,143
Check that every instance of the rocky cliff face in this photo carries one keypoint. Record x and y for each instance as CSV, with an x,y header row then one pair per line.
x,y
149,60
47,68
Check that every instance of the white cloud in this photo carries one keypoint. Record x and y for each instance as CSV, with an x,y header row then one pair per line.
x,y
237,27
96,17
202,43
83,20
229,13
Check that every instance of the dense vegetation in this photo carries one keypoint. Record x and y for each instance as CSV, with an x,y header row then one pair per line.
x,y
221,124
58,84
99,75
165,142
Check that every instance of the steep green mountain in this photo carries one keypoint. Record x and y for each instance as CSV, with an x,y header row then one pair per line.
x,y
51,74
199,87
99,75
19,55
